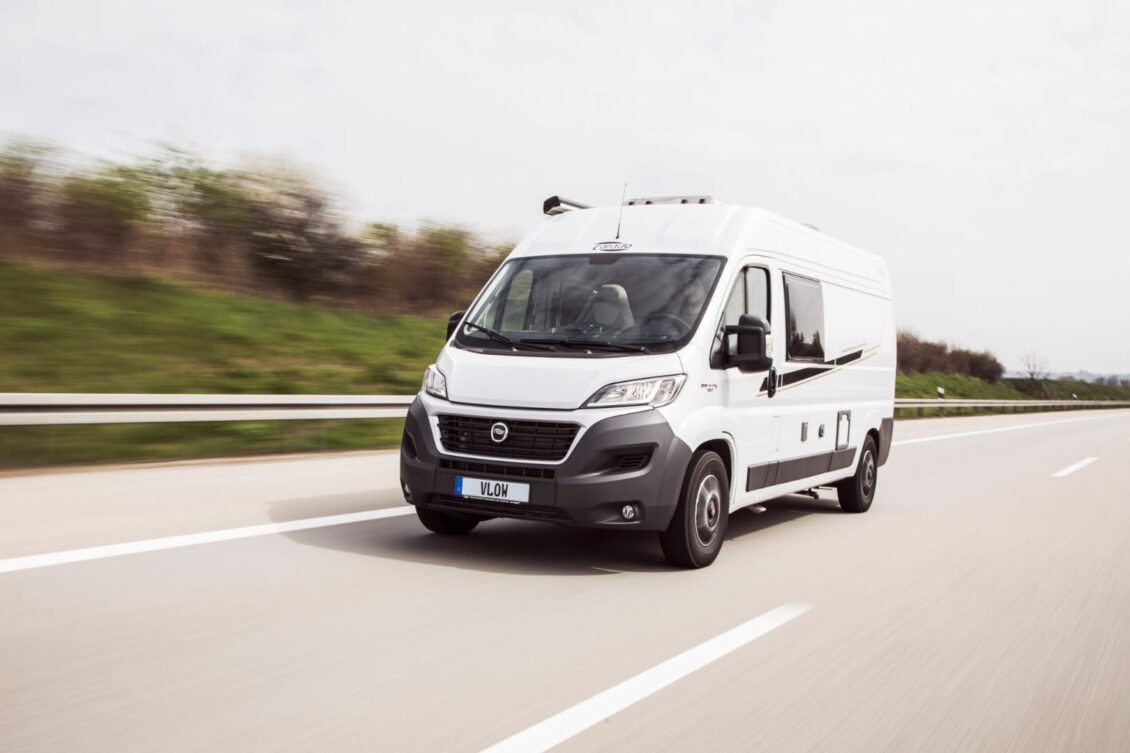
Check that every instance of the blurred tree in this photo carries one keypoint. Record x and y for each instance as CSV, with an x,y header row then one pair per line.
x,y
266,228
295,239
25,188
99,211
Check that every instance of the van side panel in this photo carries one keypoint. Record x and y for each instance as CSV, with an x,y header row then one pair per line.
x,y
827,406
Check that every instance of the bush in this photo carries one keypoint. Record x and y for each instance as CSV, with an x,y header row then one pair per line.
x,y
918,356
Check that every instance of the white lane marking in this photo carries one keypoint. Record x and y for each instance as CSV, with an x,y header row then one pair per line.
x,y
1018,427
172,542
572,721
1073,467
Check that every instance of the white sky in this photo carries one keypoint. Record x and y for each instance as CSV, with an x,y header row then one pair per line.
x,y
982,149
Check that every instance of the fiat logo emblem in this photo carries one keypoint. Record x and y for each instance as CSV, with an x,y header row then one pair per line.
x,y
499,432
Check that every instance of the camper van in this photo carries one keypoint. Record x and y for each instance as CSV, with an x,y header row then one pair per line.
x,y
657,366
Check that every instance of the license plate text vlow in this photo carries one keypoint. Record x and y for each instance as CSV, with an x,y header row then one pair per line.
x,y
490,489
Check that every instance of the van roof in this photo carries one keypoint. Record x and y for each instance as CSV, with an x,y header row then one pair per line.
x,y
707,228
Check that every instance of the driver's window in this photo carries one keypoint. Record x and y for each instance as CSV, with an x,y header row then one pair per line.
x,y
750,295
757,292
735,307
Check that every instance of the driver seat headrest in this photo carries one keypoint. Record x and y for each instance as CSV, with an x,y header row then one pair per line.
x,y
610,307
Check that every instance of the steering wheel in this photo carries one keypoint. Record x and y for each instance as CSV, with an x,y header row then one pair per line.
x,y
681,325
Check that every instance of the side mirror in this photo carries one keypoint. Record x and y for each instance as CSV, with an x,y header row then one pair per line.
x,y
453,322
751,331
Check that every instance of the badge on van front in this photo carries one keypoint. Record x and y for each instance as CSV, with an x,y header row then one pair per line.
x,y
612,246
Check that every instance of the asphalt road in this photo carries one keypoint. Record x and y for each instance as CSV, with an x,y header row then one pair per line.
x,y
983,604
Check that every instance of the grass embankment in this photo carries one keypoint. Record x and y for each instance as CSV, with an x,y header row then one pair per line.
x,y
64,331
958,386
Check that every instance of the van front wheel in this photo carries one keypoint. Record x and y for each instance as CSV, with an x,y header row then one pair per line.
x,y
695,534
856,492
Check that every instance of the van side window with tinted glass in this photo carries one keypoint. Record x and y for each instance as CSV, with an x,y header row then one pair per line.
x,y
804,309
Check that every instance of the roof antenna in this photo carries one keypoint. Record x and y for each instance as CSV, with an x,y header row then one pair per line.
x,y
620,217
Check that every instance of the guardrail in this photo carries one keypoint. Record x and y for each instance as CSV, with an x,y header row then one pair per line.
x,y
942,406
45,409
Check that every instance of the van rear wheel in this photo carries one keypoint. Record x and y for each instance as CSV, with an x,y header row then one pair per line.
x,y
446,523
856,492
694,537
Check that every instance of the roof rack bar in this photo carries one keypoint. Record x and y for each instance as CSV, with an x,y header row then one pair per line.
x,y
671,200
558,205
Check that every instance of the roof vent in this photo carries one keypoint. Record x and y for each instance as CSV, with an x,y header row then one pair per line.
x,y
557,205
671,200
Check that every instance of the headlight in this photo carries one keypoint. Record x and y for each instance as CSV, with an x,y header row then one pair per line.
x,y
434,382
656,391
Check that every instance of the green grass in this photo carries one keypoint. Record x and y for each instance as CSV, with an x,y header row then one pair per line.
x,y
63,331
956,386
74,332
1067,389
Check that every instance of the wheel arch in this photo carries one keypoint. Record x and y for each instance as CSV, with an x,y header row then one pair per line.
x,y
726,452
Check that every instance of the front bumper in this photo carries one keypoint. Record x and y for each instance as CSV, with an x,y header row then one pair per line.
x,y
603,472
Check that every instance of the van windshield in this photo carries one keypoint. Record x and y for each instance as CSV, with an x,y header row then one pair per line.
x,y
592,304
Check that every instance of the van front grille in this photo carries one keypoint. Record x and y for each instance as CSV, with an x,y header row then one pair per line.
x,y
528,440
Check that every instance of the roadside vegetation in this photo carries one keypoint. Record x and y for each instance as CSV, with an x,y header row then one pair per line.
x,y
263,228
65,331
78,331
167,273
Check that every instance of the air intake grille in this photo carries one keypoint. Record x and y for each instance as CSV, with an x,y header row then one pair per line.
x,y
495,469
529,440
632,462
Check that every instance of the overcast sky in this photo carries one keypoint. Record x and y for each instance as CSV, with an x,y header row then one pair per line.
x,y
983,150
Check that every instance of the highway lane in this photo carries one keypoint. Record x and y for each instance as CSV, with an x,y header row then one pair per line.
x,y
981,605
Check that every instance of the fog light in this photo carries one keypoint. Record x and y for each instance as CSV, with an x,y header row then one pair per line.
x,y
628,512
407,492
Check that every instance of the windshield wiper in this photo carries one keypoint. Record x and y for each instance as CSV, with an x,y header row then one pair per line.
x,y
572,343
502,339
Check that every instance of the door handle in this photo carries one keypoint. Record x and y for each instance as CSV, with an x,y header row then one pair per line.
x,y
772,390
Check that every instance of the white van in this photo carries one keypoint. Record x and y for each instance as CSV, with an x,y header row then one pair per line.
x,y
657,366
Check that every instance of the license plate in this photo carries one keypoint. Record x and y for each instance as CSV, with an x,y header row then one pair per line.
x,y
495,491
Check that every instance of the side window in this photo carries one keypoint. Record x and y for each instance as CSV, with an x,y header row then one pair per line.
x,y
517,301
749,296
757,292
804,309
735,307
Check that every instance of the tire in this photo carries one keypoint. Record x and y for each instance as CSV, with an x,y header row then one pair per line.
x,y
694,537
857,492
446,523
